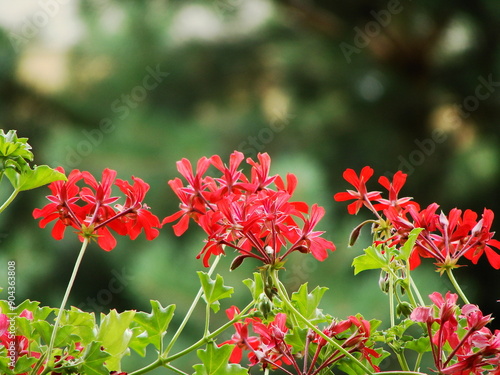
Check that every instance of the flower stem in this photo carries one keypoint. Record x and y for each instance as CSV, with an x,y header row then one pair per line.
x,y
9,200
48,353
449,272
417,292
391,300
190,311
284,297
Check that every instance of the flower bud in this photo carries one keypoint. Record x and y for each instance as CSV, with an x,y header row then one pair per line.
x,y
404,309
383,282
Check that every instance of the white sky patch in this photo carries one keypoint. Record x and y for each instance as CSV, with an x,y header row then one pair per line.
x,y
252,14
226,20
112,19
196,22
53,23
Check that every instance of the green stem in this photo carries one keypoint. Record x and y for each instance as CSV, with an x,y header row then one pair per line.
x,y
48,353
190,311
174,369
9,200
288,303
418,360
206,332
402,362
449,272
391,299
417,292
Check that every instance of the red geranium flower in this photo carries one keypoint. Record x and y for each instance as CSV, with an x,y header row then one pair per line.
x,y
361,195
241,339
63,207
95,215
136,214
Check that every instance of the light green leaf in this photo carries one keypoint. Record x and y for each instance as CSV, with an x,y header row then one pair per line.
x,y
33,178
83,324
297,338
214,290
24,364
307,303
155,323
139,341
256,285
406,249
215,361
93,360
371,259
115,335
420,345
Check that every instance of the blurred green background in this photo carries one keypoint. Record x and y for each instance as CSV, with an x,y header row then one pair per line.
x,y
320,85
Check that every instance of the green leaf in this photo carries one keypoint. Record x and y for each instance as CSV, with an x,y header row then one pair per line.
x,y
65,334
156,323
371,259
139,341
256,285
12,147
83,324
24,364
43,328
33,178
93,360
406,249
215,361
214,290
420,345
307,303
297,338
115,335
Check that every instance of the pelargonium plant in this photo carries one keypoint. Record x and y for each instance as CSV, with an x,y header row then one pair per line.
x,y
252,215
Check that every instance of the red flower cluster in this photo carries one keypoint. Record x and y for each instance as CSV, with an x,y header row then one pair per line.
x,y
353,335
270,348
446,238
246,213
474,349
90,210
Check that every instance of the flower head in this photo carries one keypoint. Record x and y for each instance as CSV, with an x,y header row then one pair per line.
x,y
92,209
253,215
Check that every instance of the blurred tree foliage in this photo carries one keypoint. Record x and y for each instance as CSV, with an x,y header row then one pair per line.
x,y
320,85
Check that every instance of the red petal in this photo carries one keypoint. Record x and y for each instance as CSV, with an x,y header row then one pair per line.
x,y
493,257
181,226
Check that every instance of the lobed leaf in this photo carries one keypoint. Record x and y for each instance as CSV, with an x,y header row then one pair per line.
x,y
215,361
214,290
